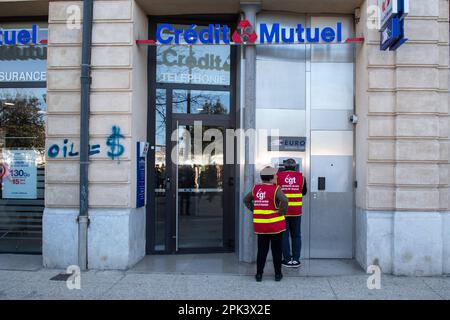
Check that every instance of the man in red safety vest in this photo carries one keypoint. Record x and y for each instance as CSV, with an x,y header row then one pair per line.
x,y
293,185
268,204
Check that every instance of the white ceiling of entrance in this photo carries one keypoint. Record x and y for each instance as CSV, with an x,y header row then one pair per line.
x,y
174,7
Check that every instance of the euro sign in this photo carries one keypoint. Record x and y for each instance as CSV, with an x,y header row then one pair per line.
x,y
113,142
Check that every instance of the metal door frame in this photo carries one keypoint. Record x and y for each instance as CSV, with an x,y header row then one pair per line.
x,y
228,192
228,122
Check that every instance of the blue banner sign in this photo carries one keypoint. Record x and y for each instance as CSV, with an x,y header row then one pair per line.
x,y
141,154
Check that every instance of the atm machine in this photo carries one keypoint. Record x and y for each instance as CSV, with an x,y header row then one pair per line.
x,y
278,163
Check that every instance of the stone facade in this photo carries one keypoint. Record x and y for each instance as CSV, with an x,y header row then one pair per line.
x,y
402,145
118,105
402,157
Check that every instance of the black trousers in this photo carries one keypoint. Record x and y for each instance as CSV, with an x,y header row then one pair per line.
x,y
275,241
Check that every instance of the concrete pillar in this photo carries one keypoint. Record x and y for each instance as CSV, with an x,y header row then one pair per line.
x,y
247,237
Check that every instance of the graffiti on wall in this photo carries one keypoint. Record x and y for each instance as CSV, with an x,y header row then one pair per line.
x,y
68,149
113,142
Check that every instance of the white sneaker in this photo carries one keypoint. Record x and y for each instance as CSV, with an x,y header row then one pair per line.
x,y
295,263
288,264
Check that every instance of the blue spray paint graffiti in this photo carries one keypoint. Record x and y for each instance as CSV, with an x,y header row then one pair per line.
x,y
116,149
54,150
93,150
67,149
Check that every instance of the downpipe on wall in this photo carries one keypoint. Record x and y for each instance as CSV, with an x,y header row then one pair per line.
x,y
83,217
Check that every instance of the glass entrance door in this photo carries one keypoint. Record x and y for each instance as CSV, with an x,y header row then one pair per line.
x,y
199,186
192,196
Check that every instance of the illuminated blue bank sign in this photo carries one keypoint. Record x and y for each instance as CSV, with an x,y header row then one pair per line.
x,y
273,33
19,36
392,20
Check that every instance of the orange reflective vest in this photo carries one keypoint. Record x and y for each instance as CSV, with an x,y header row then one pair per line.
x,y
291,183
266,218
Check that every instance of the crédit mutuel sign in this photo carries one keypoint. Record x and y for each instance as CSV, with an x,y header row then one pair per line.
x,y
246,34
19,36
210,66
20,52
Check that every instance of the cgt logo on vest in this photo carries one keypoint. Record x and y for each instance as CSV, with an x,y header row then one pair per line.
x,y
290,180
261,195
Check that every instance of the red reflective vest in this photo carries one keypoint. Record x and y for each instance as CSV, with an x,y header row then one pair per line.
x,y
291,183
266,218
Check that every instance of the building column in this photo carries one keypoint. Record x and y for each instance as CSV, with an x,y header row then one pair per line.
x,y
247,241
402,145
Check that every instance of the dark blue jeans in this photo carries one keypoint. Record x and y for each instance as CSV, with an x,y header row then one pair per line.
x,y
294,231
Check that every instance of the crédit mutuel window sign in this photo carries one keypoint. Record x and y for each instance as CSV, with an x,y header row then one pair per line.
x,y
23,58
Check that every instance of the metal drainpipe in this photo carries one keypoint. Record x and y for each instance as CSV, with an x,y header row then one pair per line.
x,y
83,217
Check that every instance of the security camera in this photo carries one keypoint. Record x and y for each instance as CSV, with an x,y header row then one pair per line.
x,y
354,119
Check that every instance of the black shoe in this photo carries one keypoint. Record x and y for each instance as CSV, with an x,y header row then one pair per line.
x,y
278,277
258,277
295,264
287,264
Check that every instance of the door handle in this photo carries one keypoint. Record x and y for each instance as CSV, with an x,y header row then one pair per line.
x,y
168,184
231,181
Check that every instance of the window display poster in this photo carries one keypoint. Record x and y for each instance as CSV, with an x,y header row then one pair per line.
x,y
20,178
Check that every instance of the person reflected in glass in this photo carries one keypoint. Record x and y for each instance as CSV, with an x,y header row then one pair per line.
x,y
186,184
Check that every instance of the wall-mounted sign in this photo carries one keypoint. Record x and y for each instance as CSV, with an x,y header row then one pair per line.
x,y
20,182
20,60
21,76
267,33
19,36
393,13
286,143
391,8
141,150
387,9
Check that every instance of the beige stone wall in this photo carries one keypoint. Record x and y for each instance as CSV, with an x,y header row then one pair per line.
x,y
402,100
116,94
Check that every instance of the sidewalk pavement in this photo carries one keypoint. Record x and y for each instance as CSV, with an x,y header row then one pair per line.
x,y
29,283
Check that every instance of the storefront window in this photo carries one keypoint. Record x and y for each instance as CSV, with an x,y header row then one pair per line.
x,y
201,102
191,64
22,143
